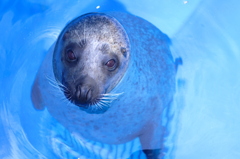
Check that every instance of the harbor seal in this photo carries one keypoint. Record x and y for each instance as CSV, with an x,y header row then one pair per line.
x,y
112,75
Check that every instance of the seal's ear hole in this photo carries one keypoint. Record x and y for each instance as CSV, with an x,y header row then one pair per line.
x,y
66,35
124,51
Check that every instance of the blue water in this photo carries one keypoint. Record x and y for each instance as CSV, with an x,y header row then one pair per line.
x,y
205,117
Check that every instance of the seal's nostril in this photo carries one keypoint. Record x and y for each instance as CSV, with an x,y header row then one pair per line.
x,y
78,92
83,94
89,94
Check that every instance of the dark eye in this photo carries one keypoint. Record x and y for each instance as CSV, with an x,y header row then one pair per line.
x,y
71,56
111,64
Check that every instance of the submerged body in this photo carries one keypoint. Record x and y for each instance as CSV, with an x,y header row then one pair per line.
x,y
112,76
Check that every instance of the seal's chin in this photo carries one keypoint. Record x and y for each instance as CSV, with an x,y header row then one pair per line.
x,y
95,105
87,104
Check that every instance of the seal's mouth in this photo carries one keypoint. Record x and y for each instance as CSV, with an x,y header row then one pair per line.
x,y
87,102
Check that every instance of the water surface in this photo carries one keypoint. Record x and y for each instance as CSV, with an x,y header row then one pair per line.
x,y
202,123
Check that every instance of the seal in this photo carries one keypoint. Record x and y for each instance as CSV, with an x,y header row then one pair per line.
x,y
93,51
108,78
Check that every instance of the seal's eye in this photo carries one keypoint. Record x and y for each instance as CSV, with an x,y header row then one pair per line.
x,y
71,56
111,64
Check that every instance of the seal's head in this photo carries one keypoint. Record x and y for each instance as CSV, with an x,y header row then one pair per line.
x,y
90,58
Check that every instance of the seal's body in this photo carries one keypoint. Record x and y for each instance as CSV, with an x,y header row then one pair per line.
x,y
115,73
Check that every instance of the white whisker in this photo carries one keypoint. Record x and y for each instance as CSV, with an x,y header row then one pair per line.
x,y
59,90
101,103
109,98
56,83
97,106
106,99
54,86
112,95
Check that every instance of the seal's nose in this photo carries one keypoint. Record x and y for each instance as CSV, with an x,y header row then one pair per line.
x,y
83,94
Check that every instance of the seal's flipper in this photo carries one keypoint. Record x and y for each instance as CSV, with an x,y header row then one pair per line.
x,y
178,61
36,96
152,140
152,153
40,89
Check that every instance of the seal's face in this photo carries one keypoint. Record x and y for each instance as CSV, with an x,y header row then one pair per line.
x,y
90,58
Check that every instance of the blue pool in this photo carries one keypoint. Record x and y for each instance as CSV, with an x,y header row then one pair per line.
x,y
204,120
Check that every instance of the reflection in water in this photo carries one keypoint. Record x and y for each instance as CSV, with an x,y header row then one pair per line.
x,y
204,118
